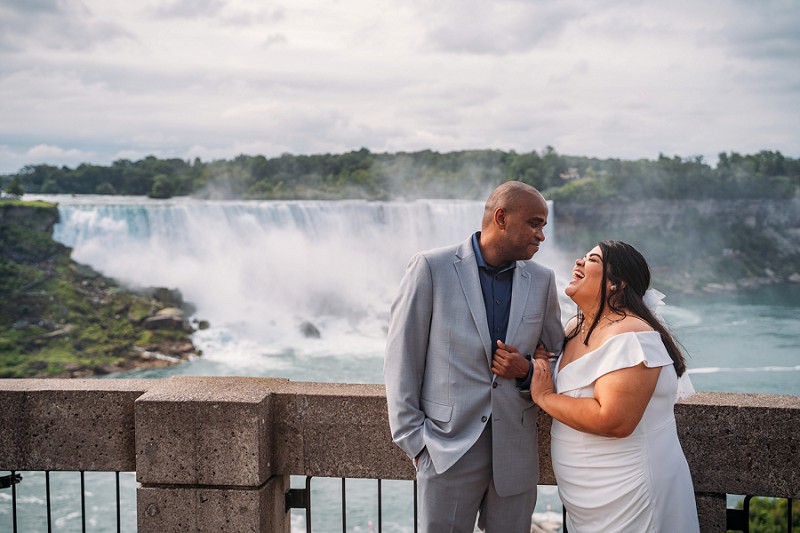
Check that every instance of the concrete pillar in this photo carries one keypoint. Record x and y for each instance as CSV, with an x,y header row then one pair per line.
x,y
712,512
204,457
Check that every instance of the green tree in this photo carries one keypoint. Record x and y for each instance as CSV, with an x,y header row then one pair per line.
x,y
15,188
105,188
769,515
163,187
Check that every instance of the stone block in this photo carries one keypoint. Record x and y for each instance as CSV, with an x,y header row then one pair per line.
x,y
173,509
344,430
711,512
741,443
205,431
75,424
546,475
286,432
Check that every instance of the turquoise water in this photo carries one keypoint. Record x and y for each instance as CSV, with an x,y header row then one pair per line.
x,y
747,341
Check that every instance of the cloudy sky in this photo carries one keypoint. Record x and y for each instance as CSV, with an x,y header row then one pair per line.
x,y
99,80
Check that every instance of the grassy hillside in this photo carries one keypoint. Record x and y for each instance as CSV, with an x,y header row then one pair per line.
x,y
60,318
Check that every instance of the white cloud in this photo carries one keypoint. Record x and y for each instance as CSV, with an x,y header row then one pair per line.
x,y
44,154
216,78
498,28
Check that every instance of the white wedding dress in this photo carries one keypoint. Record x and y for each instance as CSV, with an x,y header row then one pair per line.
x,y
639,483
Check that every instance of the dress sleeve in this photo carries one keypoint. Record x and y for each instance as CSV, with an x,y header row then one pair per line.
x,y
620,351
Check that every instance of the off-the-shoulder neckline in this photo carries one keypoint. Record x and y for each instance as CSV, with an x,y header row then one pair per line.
x,y
605,343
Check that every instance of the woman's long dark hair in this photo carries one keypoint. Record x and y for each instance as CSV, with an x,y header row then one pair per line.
x,y
627,269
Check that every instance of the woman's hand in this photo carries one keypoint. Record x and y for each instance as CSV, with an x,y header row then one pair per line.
x,y
542,381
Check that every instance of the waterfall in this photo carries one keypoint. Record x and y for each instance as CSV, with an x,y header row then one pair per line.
x,y
258,270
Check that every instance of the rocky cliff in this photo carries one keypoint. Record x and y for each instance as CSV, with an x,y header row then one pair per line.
x,y
694,245
62,319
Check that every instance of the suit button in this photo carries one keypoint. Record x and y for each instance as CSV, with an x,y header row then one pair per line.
x,y
483,419
494,385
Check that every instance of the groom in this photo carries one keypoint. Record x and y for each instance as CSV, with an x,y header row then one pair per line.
x,y
455,406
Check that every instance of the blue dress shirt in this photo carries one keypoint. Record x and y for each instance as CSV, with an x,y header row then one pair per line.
x,y
496,285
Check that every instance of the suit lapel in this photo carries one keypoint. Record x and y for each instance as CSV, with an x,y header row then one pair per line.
x,y
519,299
467,270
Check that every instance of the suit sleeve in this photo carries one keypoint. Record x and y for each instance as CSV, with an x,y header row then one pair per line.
x,y
552,335
406,352
552,331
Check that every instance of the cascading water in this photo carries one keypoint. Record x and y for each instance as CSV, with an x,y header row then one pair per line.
x,y
259,271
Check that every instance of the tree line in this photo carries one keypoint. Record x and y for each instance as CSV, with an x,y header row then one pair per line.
x,y
467,174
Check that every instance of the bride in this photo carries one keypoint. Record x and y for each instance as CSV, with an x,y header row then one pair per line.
x,y
615,449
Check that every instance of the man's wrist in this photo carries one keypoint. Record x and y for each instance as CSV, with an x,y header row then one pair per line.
x,y
524,382
529,374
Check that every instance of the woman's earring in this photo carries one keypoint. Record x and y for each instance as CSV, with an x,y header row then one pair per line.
x,y
613,287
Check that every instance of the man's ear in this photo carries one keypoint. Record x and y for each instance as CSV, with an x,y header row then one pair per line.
x,y
500,217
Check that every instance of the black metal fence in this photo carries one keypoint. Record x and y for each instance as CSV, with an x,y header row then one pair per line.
x,y
301,498
67,501
106,502
740,519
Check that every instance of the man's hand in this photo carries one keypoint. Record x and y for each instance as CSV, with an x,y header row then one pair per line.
x,y
542,353
507,362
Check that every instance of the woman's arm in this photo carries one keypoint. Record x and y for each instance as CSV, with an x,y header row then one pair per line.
x,y
619,403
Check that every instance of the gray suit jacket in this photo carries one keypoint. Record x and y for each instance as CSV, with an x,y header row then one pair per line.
x,y
439,385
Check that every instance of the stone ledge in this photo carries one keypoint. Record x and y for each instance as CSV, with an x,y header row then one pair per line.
x,y
209,431
59,424
735,443
741,443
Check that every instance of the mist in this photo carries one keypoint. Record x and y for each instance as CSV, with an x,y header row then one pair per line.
x,y
258,270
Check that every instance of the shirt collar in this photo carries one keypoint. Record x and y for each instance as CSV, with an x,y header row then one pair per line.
x,y
481,261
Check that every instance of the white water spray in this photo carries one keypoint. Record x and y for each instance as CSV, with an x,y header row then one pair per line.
x,y
258,270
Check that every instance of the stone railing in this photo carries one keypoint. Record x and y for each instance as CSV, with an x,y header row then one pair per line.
x,y
217,453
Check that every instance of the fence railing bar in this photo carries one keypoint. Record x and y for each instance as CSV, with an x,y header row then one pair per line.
x,y
308,504
14,502
380,507
344,507
47,496
416,528
119,512
83,505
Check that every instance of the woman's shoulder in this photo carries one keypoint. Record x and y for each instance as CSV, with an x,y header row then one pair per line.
x,y
617,352
629,324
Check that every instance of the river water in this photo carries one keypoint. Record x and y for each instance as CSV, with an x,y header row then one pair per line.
x,y
259,270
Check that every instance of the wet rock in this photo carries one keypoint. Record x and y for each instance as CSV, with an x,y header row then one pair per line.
x,y
164,322
170,311
309,330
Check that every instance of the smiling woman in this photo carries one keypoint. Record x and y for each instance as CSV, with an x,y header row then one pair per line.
x,y
614,441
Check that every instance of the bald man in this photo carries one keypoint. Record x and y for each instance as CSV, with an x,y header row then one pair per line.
x,y
460,410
